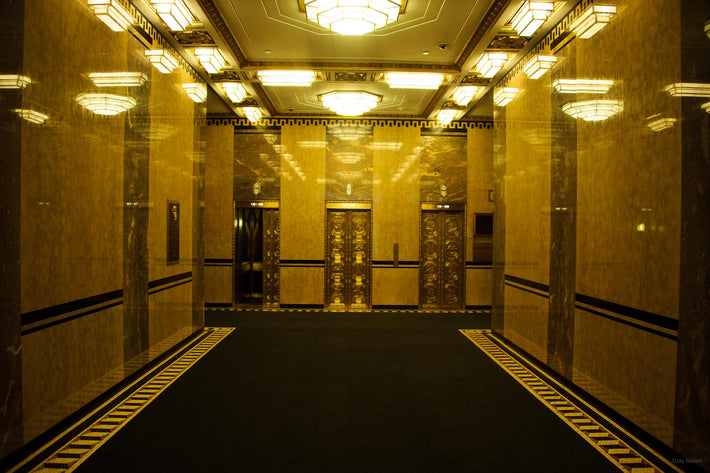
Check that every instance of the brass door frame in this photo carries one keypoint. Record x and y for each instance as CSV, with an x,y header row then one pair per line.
x,y
440,281
365,274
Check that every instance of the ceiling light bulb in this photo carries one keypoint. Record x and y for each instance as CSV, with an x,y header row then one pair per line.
x,y
287,78
162,60
530,17
582,86
504,95
593,19
211,59
253,114
349,103
118,79
105,104
14,81
235,91
538,65
464,93
31,116
593,110
490,63
174,13
352,17
112,13
196,91
413,80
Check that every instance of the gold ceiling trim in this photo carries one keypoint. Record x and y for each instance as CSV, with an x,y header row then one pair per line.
x,y
216,120
494,12
302,6
213,13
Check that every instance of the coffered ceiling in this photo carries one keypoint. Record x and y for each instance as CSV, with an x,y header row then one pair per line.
x,y
444,36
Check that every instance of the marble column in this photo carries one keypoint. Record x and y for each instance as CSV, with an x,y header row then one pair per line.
x,y
198,219
11,62
692,410
499,164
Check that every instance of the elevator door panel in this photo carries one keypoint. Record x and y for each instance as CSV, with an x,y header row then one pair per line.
x,y
348,271
256,251
441,275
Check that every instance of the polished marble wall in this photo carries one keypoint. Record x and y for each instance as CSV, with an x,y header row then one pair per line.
x,y
96,298
591,219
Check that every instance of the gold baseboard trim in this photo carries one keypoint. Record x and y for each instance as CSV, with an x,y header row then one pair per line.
x,y
567,408
77,450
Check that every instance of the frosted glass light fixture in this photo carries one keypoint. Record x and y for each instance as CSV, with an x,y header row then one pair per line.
x,y
31,116
582,86
174,13
539,65
349,103
446,116
593,19
118,79
162,60
14,81
707,28
706,106
352,17
504,95
211,59
464,93
105,104
196,91
235,91
413,80
688,89
490,63
530,17
253,114
287,78
660,124
112,13
593,110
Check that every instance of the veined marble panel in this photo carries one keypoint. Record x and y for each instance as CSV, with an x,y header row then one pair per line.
x,y
395,201
302,285
442,163
257,166
348,163
479,179
219,212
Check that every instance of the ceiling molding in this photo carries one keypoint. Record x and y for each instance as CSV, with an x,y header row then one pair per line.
x,y
305,120
440,94
359,66
264,98
490,19
213,13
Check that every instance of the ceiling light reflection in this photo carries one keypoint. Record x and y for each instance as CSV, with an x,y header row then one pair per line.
x,y
14,81
31,116
593,110
688,89
105,104
118,79
582,86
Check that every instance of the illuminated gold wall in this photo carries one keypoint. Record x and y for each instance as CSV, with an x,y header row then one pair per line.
x,y
601,223
97,299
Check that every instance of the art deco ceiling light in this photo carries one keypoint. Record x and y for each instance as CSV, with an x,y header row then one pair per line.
x,y
32,116
211,59
593,110
105,104
539,65
688,89
112,13
174,13
591,20
349,103
707,28
287,78
196,91
352,17
162,60
464,93
582,86
118,79
235,91
660,124
530,17
446,116
413,80
706,106
253,114
14,81
491,63
503,95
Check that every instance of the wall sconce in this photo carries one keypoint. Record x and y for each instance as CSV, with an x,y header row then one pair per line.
x,y
490,63
14,81
31,116
197,92
539,65
593,19
174,13
162,60
235,91
106,104
530,17
211,59
504,95
112,13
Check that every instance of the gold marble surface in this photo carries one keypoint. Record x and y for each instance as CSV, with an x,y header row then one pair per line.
x,y
171,312
395,200
302,285
257,160
526,317
302,193
630,370
395,286
219,212
479,286
443,161
479,179
218,284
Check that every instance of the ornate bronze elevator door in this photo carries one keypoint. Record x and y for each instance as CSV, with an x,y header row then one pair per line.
x,y
347,260
441,274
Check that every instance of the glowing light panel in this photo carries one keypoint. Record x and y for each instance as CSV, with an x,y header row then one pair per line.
x,y
539,65
105,104
287,78
352,17
530,17
349,103
174,13
593,19
162,60
112,13
490,63
413,80
197,92
504,95
235,91
593,110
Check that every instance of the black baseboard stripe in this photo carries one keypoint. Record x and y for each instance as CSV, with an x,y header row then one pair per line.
x,y
68,307
169,280
67,319
217,304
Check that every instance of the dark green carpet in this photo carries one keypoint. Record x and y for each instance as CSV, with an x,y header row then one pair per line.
x,y
324,392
